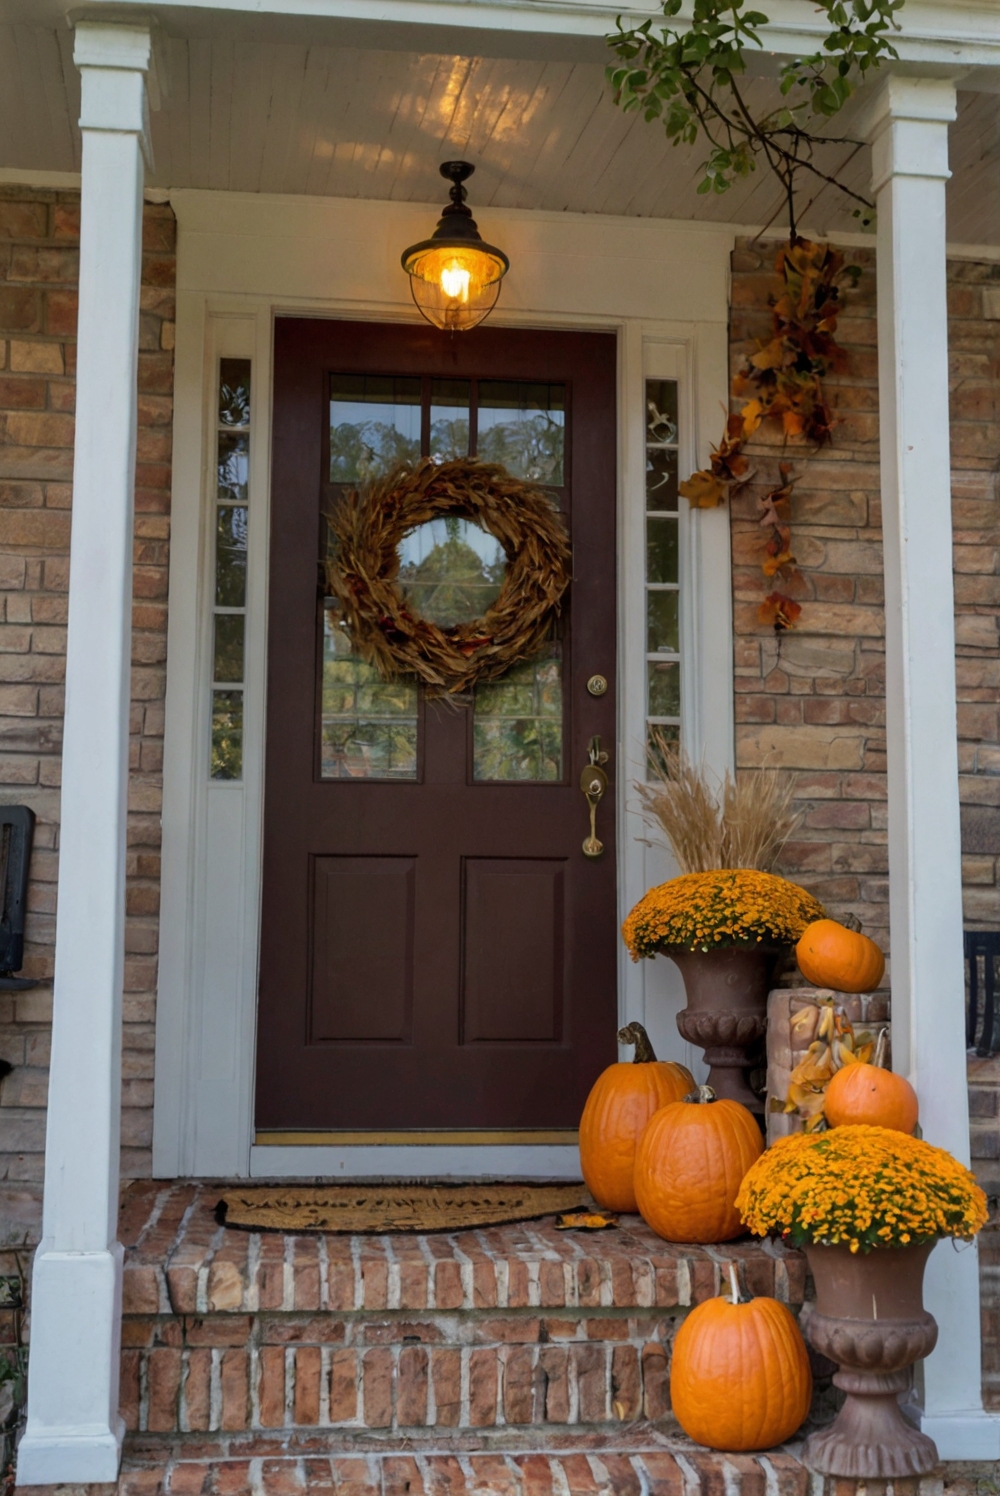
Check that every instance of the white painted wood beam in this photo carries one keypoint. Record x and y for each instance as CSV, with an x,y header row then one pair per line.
x,y
908,128
74,1430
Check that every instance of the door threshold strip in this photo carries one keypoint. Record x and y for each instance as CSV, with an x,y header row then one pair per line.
x,y
446,1138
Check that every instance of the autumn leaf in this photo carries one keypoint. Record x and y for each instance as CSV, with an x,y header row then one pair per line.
x,y
752,414
774,564
772,356
779,611
586,1220
702,490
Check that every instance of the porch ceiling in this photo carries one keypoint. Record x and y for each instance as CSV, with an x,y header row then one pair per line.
x,y
249,114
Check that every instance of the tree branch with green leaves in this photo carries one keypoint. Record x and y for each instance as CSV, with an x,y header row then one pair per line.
x,y
694,80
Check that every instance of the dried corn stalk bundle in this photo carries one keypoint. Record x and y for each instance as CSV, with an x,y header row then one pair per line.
x,y
367,526
811,1033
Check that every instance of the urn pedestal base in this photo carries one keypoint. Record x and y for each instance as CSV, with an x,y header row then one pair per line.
x,y
726,1013
879,1330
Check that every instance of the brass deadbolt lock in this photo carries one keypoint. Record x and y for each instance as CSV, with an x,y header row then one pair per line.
x,y
597,685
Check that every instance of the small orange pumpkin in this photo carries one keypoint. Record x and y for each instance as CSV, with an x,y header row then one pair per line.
x,y
621,1102
739,1373
871,1095
831,955
690,1164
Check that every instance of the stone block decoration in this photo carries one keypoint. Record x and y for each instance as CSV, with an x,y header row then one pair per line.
x,y
787,1047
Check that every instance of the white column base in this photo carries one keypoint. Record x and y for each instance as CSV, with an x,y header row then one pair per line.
x,y
74,1433
964,1436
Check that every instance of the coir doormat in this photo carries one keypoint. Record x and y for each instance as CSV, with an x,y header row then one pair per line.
x,y
392,1207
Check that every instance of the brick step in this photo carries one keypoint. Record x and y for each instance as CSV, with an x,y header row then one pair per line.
x,y
654,1468
519,1327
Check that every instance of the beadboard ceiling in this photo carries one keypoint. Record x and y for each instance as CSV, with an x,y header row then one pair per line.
x,y
252,115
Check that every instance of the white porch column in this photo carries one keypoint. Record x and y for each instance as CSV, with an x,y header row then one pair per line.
x,y
908,129
74,1432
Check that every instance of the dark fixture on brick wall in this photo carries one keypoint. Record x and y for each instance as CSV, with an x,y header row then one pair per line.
x,y
17,830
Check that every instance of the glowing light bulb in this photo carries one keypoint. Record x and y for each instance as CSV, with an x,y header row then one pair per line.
x,y
455,282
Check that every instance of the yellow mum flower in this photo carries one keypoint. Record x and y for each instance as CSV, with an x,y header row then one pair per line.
x,y
729,906
861,1186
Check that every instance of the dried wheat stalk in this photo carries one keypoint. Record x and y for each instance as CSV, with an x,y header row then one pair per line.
x,y
745,824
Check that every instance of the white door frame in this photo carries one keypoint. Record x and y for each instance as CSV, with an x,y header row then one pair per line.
x,y
242,260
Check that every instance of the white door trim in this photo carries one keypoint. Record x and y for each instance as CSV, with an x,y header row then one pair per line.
x,y
663,288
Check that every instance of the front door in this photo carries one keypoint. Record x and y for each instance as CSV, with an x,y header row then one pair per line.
x,y
437,951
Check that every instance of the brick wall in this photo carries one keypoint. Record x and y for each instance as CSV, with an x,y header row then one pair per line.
x,y
812,700
39,234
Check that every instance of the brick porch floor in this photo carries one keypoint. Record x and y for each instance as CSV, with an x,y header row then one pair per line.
x,y
517,1361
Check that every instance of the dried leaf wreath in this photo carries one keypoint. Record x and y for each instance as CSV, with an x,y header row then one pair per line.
x,y
367,526
784,380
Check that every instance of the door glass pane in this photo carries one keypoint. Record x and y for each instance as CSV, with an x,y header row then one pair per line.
x,y
228,664
234,392
662,632
451,570
661,412
661,478
664,688
374,424
449,419
517,726
227,734
523,426
661,550
368,725
234,467
230,556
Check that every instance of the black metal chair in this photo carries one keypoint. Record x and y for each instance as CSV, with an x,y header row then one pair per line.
x,y
982,1032
17,829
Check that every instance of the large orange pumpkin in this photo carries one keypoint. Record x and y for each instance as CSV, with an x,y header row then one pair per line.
x,y
831,955
621,1102
870,1095
690,1164
739,1374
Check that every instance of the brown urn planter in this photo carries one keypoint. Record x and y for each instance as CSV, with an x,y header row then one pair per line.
x,y
870,1319
726,1013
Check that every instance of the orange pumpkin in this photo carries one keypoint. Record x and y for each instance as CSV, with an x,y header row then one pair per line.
x,y
739,1374
831,955
621,1102
870,1095
690,1164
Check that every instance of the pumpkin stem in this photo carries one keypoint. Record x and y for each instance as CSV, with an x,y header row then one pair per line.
x,y
881,1045
634,1033
735,1283
851,922
701,1096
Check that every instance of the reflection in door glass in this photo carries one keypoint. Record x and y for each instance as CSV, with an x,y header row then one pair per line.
x,y
449,419
451,570
368,725
374,424
523,426
517,728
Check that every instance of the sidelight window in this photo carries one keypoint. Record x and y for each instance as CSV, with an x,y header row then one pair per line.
x,y
232,496
663,668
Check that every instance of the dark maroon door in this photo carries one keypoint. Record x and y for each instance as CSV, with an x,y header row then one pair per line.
x,y
437,952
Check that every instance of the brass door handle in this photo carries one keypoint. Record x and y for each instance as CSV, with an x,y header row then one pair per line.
x,y
593,783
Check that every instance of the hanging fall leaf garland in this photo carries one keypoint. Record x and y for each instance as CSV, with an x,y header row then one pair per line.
x,y
784,379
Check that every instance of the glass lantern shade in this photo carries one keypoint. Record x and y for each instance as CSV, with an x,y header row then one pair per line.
x,y
455,286
454,276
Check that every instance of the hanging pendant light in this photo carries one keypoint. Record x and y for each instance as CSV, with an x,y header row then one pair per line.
x,y
455,277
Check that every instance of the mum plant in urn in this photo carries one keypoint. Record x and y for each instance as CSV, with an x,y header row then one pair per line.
x,y
727,918
868,1204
